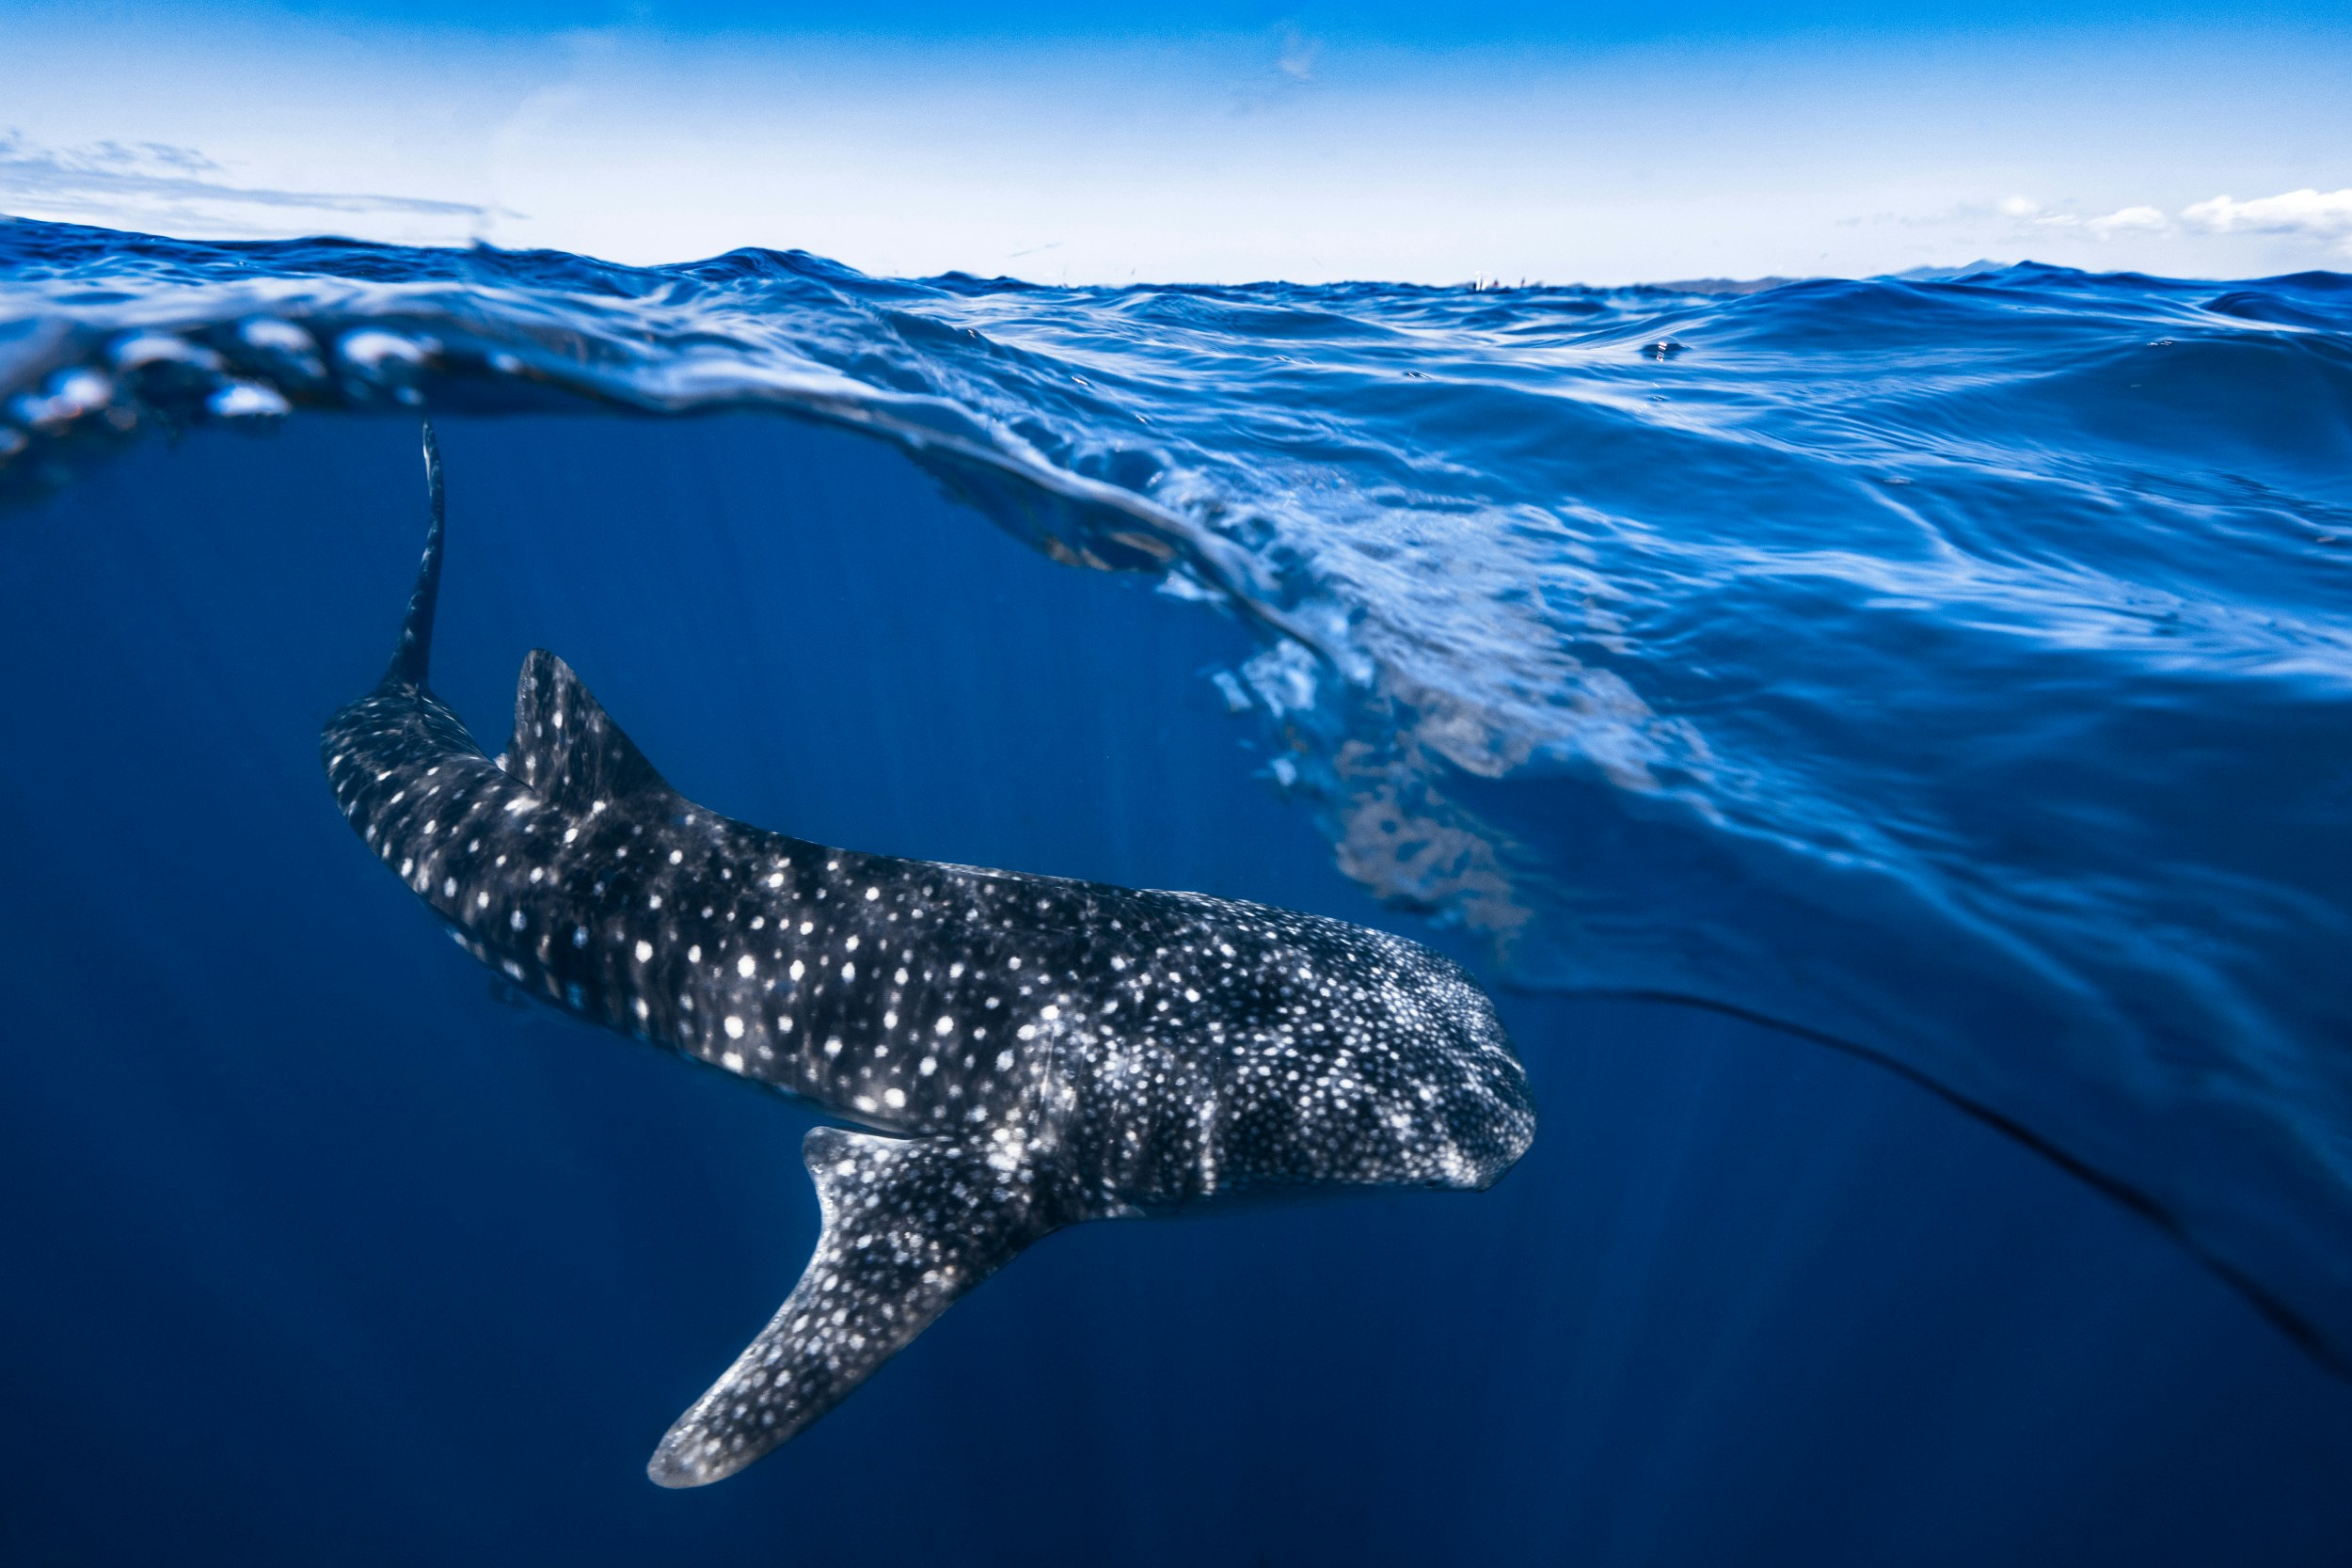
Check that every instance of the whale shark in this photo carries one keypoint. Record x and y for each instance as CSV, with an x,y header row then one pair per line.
x,y
1015,1054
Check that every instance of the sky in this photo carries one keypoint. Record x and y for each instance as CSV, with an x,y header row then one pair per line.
x,y
1219,140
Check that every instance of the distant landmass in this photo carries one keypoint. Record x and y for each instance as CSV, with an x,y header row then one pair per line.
x,y
1757,285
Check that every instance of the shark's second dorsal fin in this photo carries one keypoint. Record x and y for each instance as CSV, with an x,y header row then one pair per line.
x,y
567,747
909,1224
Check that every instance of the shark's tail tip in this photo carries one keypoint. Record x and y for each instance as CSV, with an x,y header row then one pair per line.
x,y
412,657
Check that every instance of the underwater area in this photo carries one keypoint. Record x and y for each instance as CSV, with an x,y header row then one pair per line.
x,y
1886,745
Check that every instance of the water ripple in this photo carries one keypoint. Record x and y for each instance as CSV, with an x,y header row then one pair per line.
x,y
1957,670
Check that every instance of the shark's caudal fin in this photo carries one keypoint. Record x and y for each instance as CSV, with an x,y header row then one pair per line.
x,y
414,655
567,747
909,1224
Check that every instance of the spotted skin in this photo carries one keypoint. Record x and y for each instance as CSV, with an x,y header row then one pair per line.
x,y
1028,1052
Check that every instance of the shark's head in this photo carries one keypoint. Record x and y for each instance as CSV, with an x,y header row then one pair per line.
x,y
1488,1122
1409,1081
1480,1118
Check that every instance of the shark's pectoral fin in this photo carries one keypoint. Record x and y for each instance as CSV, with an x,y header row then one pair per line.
x,y
909,1224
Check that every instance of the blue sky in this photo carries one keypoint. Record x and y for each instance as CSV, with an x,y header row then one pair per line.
x,y
1225,141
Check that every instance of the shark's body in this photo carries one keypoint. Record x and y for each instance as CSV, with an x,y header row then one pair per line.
x,y
1032,1051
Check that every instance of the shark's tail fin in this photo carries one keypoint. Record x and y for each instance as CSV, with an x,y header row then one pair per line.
x,y
414,656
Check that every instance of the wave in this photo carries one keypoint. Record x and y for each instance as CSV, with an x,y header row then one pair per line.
x,y
1954,669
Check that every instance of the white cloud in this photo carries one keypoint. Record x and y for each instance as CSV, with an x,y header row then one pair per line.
x,y
1296,58
2127,220
1298,55
2307,214
164,187
2028,214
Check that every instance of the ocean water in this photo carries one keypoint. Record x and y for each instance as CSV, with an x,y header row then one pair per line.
x,y
1887,744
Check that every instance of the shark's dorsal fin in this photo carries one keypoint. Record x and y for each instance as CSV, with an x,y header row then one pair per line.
x,y
567,747
909,1224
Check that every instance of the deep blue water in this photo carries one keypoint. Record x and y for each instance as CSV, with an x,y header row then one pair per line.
x,y
1953,671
